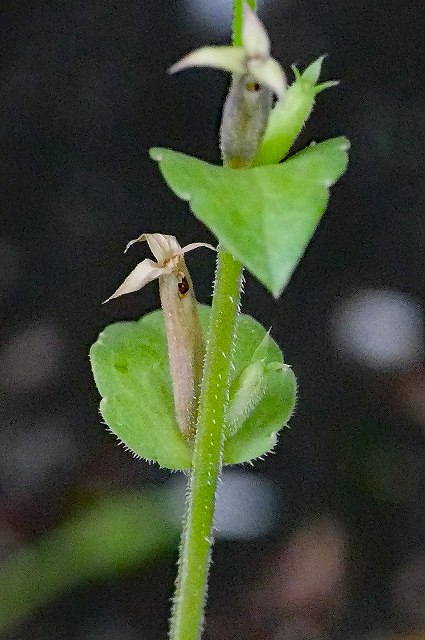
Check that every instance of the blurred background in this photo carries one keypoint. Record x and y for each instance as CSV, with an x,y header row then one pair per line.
x,y
324,539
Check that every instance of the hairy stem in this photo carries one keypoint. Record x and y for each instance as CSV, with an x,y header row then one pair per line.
x,y
197,539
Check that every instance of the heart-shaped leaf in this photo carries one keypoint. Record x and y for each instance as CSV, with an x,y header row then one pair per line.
x,y
130,366
265,216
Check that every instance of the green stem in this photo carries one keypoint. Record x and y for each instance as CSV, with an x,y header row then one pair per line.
x,y
195,552
237,20
197,539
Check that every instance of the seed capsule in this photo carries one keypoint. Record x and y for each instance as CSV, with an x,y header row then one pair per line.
x,y
186,345
185,340
245,115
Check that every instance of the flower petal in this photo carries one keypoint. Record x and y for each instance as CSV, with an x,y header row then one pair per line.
x,y
162,246
226,58
144,272
255,40
269,73
197,245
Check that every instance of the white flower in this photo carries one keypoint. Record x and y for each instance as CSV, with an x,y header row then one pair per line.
x,y
168,254
253,57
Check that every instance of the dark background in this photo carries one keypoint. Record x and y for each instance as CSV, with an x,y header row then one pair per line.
x,y
83,95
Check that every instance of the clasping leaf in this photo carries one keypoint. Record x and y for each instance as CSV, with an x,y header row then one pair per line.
x,y
131,370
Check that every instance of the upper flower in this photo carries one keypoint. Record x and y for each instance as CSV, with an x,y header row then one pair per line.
x,y
253,57
167,252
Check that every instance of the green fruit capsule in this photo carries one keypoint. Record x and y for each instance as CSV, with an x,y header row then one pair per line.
x,y
245,116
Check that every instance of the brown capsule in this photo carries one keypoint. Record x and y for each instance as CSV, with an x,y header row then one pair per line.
x,y
186,345
185,339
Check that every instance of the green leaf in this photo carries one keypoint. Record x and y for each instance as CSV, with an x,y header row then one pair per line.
x,y
265,216
130,366
288,117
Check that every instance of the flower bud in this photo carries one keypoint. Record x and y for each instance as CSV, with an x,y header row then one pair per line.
x,y
247,390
